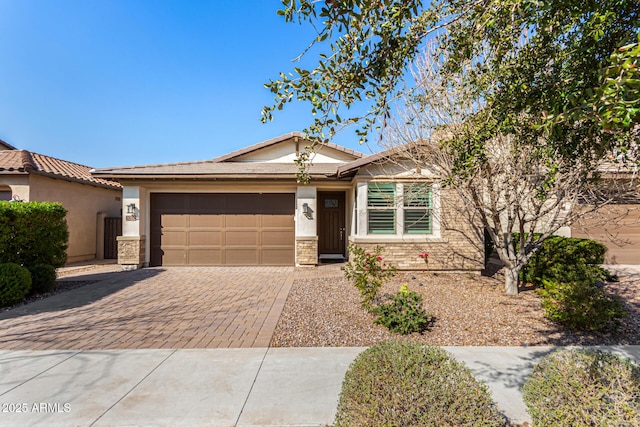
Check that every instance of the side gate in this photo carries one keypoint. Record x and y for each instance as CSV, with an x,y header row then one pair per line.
x,y
112,229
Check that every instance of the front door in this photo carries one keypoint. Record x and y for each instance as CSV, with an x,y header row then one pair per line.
x,y
331,228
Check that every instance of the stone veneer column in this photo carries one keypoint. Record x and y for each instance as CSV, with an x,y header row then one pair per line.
x,y
131,251
307,250
306,226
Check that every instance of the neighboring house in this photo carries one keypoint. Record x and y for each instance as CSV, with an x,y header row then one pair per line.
x,y
247,208
6,146
617,224
27,176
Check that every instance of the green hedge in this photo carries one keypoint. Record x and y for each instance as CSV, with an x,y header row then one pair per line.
x,y
33,233
43,278
565,259
15,283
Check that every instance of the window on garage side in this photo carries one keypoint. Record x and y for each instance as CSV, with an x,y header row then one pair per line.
x,y
417,208
5,193
381,208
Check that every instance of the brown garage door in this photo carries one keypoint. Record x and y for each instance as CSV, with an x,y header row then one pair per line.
x,y
222,229
618,228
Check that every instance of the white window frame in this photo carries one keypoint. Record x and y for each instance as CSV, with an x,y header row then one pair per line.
x,y
361,207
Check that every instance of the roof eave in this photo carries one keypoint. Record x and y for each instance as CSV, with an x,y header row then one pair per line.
x,y
76,180
204,177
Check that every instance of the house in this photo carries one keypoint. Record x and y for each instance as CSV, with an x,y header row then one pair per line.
x,y
617,223
27,176
247,208
6,146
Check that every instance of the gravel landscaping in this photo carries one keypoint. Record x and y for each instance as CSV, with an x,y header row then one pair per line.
x,y
468,310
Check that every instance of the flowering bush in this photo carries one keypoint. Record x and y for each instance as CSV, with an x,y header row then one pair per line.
x,y
425,257
368,272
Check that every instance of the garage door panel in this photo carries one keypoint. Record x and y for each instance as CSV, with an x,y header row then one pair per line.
x,y
173,238
205,256
277,237
173,220
241,238
241,221
241,256
284,221
277,256
177,256
202,238
219,229
204,220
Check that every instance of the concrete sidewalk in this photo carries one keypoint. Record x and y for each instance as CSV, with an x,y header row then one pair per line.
x,y
216,387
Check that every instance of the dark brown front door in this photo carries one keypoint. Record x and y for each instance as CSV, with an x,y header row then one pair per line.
x,y
331,228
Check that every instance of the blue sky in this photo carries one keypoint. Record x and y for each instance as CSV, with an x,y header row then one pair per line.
x,y
122,82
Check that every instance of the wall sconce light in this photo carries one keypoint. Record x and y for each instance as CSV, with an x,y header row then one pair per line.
x,y
307,211
131,210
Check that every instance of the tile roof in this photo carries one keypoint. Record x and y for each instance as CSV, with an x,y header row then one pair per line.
x,y
225,167
26,162
213,169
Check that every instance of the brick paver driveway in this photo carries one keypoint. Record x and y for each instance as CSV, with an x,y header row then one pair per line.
x,y
190,307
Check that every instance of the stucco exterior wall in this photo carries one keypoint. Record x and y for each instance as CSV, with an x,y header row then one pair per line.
x,y
19,185
83,202
285,152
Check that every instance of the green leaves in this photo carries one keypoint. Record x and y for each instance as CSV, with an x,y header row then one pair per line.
x,y
33,233
404,313
565,71
371,43
368,273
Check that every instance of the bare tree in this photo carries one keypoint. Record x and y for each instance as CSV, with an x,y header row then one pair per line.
x,y
516,188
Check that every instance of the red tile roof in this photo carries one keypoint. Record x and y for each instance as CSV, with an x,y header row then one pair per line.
x,y
25,162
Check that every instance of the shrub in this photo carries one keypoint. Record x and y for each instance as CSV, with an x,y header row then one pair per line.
x,y
368,273
581,305
398,383
15,282
566,259
43,277
33,233
583,388
404,314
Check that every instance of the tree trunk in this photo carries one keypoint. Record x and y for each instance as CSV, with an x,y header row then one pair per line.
x,y
511,280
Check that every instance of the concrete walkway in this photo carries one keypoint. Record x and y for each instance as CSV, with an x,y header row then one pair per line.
x,y
216,387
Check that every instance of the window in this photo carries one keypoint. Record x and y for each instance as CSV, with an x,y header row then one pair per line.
x,y
5,192
330,203
399,208
417,204
381,209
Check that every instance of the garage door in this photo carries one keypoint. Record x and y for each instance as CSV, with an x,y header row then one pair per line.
x,y
222,229
618,228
